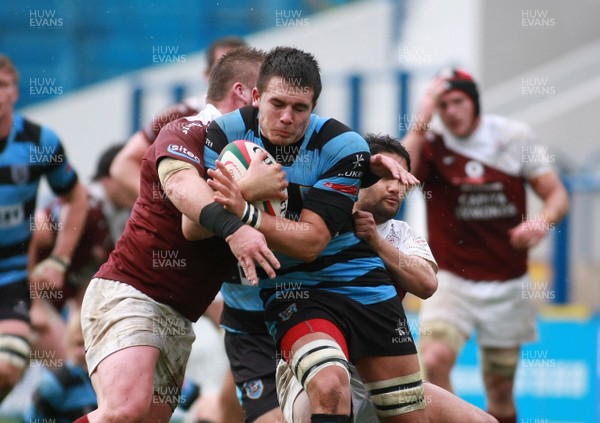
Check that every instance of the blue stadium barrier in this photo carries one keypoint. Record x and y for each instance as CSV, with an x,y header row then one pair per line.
x,y
558,376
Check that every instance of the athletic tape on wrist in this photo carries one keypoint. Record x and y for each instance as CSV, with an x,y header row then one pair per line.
x,y
64,263
251,216
219,221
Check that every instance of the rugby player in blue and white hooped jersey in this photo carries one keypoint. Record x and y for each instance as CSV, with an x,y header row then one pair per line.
x,y
407,257
27,152
332,300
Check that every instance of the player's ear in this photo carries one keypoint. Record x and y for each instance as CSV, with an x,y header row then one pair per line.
x,y
14,96
255,96
238,89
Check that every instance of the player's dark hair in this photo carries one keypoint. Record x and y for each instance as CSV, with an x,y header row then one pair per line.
x,y
105,161
7,65
296,67
379,143
238,65
229,42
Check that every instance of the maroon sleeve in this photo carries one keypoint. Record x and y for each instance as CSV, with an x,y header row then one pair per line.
x,y
182,140
153,255
153,128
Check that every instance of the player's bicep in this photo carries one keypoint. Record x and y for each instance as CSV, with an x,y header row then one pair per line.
x,y
167,167
334,194
334,209
317,222
62,179
545,184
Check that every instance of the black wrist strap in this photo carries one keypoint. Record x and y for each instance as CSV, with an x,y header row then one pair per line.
x,y
219,221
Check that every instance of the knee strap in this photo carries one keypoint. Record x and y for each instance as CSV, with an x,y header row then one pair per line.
x,y
500,362
396,396
15,350
315,356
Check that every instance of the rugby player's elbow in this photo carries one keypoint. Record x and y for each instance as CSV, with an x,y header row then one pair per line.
x,y
308,256
312,249
428,288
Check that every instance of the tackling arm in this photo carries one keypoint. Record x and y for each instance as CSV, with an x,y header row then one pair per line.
x,y
411,273
72,220
72,217
413,140
304,239
127,164
556,203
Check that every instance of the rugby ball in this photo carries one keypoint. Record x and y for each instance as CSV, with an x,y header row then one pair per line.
x,y
236,157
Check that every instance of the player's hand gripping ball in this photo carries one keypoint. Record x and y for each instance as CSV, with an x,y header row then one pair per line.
x,y
236,157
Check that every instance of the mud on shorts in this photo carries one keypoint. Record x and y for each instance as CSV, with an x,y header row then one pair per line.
x,y
115,316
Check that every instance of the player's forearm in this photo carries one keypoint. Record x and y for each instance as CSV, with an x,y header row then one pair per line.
x,y
417,276
551,190
127,164
414,139
193,231
188,192
128,174
411,273
556,205
413,142
72,219
302,240
425,112
42,239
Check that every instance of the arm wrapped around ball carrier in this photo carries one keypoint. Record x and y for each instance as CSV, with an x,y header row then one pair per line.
x,y
213,217
222,223
219,221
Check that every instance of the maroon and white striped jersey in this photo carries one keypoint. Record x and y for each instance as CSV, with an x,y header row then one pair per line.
x,y
475,190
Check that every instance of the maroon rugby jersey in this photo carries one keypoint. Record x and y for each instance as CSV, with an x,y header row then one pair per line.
x,y
475,190
152,255
187,108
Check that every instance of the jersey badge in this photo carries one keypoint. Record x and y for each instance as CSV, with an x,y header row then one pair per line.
x,y
19,174
254,388
287,313
474,169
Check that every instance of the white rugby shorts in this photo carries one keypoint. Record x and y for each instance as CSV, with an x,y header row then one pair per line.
x,y
500,312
